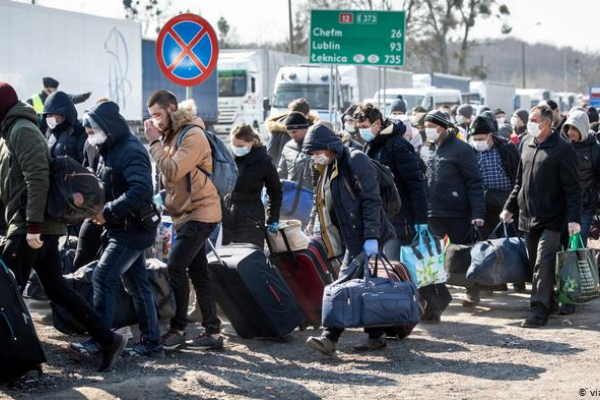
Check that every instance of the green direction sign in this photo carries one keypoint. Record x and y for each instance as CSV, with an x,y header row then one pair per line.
x,y
357,37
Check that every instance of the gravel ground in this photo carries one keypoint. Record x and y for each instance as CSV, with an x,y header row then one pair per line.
x,y
472,354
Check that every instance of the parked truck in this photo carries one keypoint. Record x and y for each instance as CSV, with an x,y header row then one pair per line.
x,y
84,53
359,82
442,81
493,94
246,79
430,98
528,98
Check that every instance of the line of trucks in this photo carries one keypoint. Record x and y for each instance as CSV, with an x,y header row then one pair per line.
x,y
110,58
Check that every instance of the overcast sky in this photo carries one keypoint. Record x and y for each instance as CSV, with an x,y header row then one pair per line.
x,y
563,22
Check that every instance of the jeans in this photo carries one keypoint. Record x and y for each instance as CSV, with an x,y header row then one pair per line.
x,y
20,258
119,261
542,246
188,261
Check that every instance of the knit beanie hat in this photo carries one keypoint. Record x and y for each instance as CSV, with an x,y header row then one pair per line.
x,y
398,105
438,117
50,82
296,120
481,126
8,98
466,110
592,113
523,115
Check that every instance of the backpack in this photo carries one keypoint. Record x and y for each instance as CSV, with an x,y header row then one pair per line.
x,y
225,172
390,197
75,193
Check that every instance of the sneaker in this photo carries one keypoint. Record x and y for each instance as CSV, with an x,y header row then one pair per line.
x,y
472,300
371,344
534,321
321,344
520,288
173,340
111,353
566,309
205,341
145,349
87,348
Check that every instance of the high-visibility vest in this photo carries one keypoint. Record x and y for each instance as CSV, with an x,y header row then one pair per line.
x,y
38,104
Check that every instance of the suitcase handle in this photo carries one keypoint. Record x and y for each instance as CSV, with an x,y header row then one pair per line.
x,y
212,247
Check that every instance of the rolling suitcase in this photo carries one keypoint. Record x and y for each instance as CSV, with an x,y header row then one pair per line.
x,y
20,348
307,272
252,293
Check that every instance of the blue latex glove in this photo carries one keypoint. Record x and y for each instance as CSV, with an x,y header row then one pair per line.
x,y
274,227
371,247
420,228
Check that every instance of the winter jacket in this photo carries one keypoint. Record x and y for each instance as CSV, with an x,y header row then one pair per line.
x,y
588,160
69,136
126,173
358,209
25,172
547,192
203,203
295,165
244,213
391,149
279,137
509,155
453,180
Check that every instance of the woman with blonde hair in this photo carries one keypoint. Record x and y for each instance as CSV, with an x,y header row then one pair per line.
x,y
243,210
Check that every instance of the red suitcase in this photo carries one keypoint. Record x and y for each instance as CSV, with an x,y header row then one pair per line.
x,y
306,273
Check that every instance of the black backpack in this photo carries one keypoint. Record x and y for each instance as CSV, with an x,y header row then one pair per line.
x,y
75,193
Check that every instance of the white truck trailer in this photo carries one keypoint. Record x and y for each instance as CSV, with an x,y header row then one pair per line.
x,y
493,94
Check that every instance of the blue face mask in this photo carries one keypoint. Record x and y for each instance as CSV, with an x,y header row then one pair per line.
x,y
366,134
240,151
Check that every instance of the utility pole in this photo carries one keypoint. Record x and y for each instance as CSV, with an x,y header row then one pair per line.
x,y
291,26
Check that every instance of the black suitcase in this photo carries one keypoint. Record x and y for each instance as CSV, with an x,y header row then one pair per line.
x,y
20,348
252,293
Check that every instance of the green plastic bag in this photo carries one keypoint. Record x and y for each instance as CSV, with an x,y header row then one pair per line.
x,y
576,273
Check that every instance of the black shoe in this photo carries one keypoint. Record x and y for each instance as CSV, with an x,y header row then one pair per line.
x,y
111,353
145,349
173,340
432,316
534,321
205,341
566,309
500,288
520,288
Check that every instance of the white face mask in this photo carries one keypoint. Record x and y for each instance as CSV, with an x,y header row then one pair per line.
x,y
501,120
432,134
514,121
321,159
460,119
97,138
533,129
480,145
350,128
240,151
51,122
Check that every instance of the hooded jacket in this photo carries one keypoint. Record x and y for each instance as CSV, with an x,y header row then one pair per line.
x,y
295,165
244,219
392,150
453,180
278,135
126,173
547,192
70,135
358,209
25,172
588,160
175,163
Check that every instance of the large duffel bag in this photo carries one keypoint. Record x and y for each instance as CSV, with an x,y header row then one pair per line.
x,y
457,259
252,293
360,298
20,348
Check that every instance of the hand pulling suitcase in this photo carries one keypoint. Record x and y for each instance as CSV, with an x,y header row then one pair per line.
x,y
252,293
306,272
20,348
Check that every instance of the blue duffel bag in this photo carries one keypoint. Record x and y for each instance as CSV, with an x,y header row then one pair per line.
x,y
361,299
499,261
297,201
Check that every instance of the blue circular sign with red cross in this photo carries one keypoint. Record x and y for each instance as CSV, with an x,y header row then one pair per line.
x,y
187,50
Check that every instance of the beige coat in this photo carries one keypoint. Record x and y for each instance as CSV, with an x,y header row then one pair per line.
x,y
203,203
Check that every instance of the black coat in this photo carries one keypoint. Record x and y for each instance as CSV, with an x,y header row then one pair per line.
x,y
455,188
588,162
126,172
356,201
547,192
70,135
244,212
392,150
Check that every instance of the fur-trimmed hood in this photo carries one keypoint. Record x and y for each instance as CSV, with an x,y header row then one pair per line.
x,y
276,124
186,114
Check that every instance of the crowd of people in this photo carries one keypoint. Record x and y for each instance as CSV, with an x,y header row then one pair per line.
x,y
454,168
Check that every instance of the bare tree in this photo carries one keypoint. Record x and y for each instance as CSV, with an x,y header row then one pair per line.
x,y
147,12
